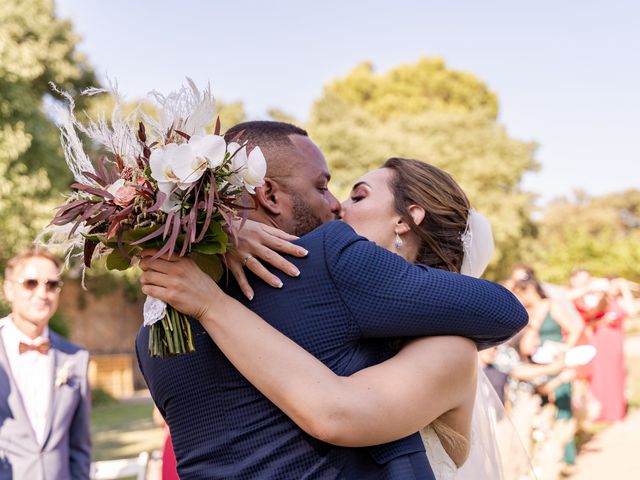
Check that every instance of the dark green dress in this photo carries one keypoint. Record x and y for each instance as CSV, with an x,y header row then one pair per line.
x,y
550,330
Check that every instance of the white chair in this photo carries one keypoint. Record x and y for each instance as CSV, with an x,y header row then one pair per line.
x,y
126,467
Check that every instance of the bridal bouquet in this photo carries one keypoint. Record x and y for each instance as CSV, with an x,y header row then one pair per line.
x,y
163,183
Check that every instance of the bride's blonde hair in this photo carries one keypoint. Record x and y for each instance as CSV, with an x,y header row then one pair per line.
x,y
455,444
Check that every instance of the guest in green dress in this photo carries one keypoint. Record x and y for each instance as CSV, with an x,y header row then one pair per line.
x,y
551,320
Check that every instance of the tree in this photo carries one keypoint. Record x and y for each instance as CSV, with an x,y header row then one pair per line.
x,y
35,49
441,116
426,86
601,234
231,113
281,116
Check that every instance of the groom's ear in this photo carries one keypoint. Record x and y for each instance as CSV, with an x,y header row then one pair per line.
x,y
269,196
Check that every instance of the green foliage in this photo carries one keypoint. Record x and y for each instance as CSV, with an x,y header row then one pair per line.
x,y
601,234
230,113
117,261
111,427
24,212
209,264
214,241
100,281
100,397
281,116
35,48
426,86
437,115
60,325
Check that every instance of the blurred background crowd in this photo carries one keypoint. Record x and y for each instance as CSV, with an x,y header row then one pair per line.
x,y
556,389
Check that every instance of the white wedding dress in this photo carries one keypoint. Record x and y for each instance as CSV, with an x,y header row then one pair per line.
x,y
495,445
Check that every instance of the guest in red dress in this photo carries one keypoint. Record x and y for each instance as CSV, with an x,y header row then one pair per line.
x,y
169,466
604,316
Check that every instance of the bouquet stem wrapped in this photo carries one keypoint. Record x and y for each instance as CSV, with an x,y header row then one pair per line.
x,y
162,183
172,337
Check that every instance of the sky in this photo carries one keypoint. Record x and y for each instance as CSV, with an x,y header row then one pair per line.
x,y
567,73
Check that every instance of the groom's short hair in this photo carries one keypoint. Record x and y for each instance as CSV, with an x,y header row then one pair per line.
x,y
273,139
265,133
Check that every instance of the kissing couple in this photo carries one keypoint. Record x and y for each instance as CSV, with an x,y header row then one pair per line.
x,y
365,352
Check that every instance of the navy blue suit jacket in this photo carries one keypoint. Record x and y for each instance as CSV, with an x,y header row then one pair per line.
x,y
351,298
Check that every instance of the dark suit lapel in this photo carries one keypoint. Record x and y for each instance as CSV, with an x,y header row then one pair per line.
x,y
14,398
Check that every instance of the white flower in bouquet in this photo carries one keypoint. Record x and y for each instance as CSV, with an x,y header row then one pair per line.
x,y
183,164
212,148
172,199
250,169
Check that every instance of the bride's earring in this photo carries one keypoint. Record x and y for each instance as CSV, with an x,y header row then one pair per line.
x,y
398,242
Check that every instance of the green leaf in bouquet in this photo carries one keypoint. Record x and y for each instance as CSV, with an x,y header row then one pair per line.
x,y
116,261
94,237
209,264
208,248
214,241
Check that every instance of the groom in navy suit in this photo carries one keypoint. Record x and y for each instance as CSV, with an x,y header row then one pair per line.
x,y
350,300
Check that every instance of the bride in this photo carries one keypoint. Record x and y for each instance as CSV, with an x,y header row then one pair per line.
x,y
419,212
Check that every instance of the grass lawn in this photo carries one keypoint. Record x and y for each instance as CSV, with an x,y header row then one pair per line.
x,y
123,430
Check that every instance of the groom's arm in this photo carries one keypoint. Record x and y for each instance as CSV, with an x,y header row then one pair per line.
x,y
390,297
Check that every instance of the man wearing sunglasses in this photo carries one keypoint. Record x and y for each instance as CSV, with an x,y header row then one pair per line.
x,y
44,393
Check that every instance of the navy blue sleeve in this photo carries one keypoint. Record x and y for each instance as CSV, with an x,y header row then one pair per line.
x,y
389,297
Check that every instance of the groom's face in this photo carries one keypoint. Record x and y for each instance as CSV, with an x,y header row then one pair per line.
x,y
308,202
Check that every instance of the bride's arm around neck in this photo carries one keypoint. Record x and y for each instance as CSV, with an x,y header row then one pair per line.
x,y
430,377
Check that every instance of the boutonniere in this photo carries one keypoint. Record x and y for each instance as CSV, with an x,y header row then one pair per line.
x,y
63,375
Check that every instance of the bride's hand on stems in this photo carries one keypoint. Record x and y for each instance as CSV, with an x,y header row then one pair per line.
x,y
179,282
256,241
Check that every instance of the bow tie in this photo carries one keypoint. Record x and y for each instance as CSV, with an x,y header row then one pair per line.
x,y
42,347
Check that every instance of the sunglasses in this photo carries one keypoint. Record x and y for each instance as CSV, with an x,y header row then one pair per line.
x,y
32,283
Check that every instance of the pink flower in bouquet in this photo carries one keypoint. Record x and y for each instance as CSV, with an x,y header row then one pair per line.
x,y
123,192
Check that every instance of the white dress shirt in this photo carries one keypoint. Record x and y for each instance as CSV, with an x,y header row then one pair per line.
x,y
31,372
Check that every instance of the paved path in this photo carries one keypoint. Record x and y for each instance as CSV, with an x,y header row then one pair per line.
x,y
613,454
632,346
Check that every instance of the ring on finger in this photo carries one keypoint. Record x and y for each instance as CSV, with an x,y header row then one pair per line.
x,y
246,259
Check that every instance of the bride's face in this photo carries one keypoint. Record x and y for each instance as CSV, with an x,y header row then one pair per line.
x,y
369,209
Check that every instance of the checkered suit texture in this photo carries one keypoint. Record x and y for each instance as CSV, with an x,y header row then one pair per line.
x,y
351,298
